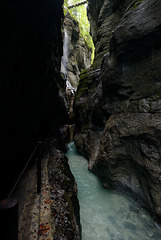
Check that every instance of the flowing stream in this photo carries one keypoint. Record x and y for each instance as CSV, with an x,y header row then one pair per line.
x,y
107,215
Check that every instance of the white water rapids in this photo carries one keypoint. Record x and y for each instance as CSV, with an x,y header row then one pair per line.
x,y
107,215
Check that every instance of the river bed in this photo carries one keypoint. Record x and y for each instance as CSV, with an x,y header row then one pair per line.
x,y
105,214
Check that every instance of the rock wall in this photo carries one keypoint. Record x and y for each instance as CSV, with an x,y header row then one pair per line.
x,y
63,192
78,52
30,103
117,104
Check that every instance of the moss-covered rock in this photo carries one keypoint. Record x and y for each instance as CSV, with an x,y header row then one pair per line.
x,y
83,84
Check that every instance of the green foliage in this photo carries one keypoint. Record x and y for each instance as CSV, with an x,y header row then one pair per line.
x,y
136,3
80,14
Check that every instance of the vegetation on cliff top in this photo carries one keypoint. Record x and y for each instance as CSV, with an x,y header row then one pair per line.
x,y
79,13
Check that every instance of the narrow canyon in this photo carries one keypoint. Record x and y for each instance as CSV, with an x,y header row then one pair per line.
x,y
86,72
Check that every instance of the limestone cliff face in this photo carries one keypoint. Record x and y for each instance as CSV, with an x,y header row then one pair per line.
x,y
78,52
118,101
31,50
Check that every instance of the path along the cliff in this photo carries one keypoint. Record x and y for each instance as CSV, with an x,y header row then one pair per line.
x,y
35,209
52,214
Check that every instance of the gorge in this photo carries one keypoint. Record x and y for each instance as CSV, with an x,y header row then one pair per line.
x,y
106,214
117,101
117,106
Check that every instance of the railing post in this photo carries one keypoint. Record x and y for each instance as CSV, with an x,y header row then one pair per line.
x,y
9,219
39,167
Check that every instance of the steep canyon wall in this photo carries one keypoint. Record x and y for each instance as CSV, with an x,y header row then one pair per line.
x,y
118,105
78,51
30,103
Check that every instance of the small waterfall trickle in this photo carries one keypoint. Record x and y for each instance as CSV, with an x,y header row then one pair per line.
x,y
64,59
70,91
64,62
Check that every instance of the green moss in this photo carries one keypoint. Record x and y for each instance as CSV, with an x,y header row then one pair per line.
x,y
83,83
70,204
80,15
83,73
136,4
82,79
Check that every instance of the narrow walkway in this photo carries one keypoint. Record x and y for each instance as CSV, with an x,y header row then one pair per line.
x,y
46,225
34,209
77,4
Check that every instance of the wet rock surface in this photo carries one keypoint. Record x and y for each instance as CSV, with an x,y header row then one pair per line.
x,y
129,157
78,51
117,105
63,193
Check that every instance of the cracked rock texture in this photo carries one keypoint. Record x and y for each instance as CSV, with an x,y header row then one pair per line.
x,y
63,194
78,51
118,102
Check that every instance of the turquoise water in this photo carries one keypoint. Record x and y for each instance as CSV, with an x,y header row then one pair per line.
x,y
107,215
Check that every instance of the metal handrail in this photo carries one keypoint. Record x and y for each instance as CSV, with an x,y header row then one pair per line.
x,y
9,206
22,172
